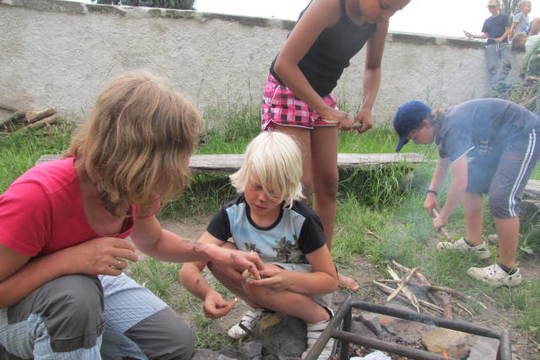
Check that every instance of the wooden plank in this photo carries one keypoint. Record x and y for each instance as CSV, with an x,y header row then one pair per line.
x,y
229,163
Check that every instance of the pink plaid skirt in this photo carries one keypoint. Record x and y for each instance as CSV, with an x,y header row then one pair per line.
x,y
281,107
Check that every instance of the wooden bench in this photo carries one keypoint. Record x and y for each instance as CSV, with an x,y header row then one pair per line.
x,y
229,163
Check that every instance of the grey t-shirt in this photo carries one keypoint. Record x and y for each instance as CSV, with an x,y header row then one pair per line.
x,y
522,21
482,122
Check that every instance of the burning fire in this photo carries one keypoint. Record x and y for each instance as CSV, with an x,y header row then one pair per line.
x,y
445,355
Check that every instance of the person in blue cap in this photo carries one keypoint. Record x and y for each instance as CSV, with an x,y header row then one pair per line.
x,y
490,146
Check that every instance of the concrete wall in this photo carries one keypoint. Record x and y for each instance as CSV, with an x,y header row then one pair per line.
x,y
59,54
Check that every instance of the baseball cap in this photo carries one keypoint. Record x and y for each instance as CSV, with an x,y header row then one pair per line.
x,y
407,118
493,3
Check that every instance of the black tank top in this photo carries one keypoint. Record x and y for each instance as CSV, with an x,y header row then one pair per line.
x,y
331,52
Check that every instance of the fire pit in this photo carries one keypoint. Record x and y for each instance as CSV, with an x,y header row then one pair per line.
x,y
340,326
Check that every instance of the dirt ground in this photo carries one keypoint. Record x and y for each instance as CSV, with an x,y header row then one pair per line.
x,y
364,273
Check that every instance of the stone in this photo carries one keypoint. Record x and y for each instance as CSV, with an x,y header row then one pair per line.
x,y
205,354
483,349
281,335
442,341
251,350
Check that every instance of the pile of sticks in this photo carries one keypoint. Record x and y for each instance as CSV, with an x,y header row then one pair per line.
x,y
443,301
24,120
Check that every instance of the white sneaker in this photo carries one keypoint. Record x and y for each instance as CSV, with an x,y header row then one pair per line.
x,y
481,251
314,331
493,275
248,321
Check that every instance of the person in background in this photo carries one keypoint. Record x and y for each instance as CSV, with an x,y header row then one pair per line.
x,y
496,30
298,97
267,218
521,24
63,229
490,147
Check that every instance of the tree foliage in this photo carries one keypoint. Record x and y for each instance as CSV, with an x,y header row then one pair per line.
x,y
170,4
509,6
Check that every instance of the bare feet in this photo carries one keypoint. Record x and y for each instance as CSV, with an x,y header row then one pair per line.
x,y
347,282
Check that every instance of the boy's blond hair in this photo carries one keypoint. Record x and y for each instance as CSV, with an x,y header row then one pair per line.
x,y
136,144
276,160
523,3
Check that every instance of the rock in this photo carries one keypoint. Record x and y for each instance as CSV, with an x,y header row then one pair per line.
x,y
251,350
441,341
205,354
484,348
281,335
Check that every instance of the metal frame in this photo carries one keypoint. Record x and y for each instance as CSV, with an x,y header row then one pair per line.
x,y
343,317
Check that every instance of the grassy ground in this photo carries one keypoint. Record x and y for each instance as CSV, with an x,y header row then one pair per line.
x,y
386,202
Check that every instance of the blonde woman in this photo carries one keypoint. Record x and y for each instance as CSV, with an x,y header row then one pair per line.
x,y
63,229
268,219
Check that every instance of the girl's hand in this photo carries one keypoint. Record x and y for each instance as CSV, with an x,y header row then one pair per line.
x,y
431,204
215,306
101,256
273,277
363,119
340,118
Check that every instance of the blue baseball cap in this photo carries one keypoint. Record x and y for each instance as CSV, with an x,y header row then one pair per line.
x,y
408,117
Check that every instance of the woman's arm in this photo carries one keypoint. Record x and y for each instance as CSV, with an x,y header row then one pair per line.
x,y
192,278
457,189
161,244
319,15
20,275
372,75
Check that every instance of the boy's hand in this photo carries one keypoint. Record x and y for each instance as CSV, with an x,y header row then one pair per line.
x,y
215,306
101,256
431,204
273,277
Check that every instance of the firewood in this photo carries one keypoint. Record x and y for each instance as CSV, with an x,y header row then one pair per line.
x,y
418,274
12,119
39,124
464,308
457,293
34,116
387,289
8,108
412,298
402,284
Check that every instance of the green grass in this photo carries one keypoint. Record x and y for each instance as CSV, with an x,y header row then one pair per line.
x,y
386,201
20,151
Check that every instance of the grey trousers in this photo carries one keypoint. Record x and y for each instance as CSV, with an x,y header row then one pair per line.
x,y
86,317
498,62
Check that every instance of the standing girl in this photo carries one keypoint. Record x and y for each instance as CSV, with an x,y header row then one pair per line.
x,y
297,95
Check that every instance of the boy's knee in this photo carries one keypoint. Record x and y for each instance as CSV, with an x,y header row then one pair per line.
x,y
164,335
500,206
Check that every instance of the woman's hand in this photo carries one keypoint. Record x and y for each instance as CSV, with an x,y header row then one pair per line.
x,y
272,277
215,306
363,119
243,260
101,256
340,118
431,204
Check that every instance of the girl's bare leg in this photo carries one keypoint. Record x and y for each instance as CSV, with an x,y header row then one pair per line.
x,y
325,183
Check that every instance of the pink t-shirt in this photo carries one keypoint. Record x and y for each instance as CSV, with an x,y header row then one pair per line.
x,y
42,211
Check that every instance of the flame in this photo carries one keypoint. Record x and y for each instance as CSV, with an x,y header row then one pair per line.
x,y
445,355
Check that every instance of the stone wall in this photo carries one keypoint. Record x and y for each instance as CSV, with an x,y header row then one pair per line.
x,y
59,54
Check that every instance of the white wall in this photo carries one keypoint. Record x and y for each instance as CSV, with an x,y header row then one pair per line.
x,y
59,54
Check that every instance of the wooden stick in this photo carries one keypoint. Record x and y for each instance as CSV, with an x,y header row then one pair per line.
x,y
427,304
34,116
464,308
369,232
402,284
457,293
443,229
412,298
418,274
